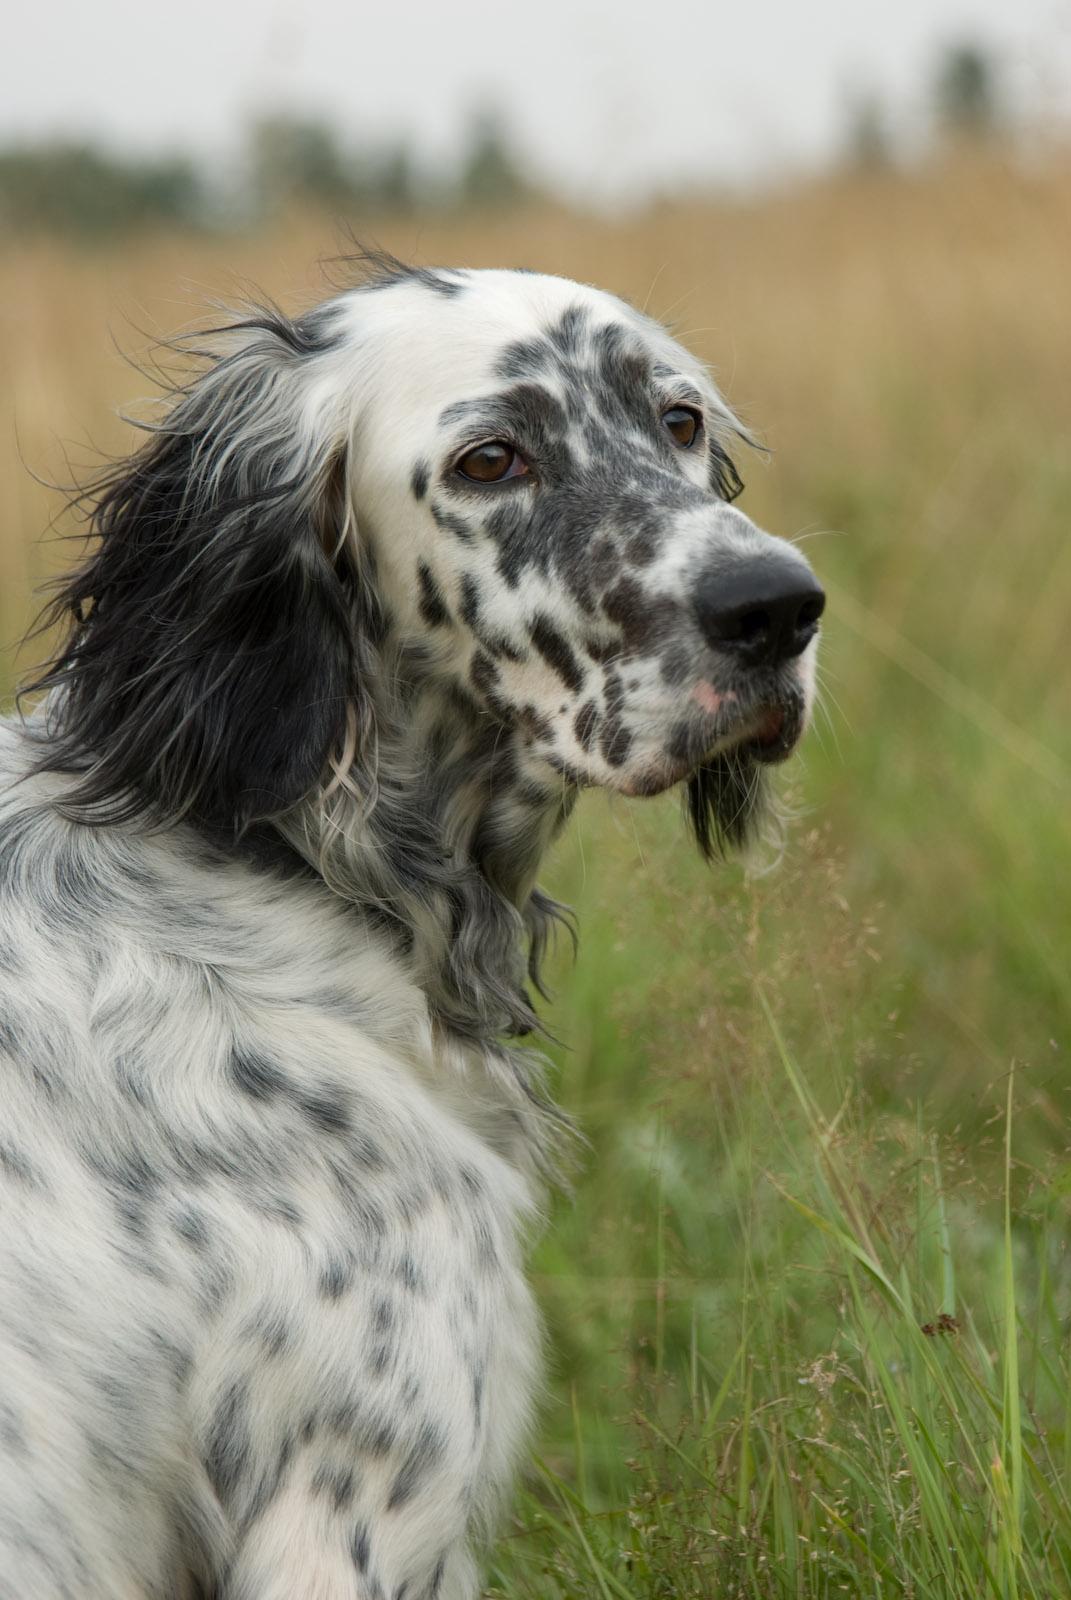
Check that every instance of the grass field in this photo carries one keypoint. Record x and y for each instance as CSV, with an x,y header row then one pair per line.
x,y
809,1305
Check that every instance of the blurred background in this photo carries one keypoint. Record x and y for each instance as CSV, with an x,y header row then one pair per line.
x,y
796,1083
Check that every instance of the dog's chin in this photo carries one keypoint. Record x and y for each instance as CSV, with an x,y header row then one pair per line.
x,y
725,773
726,801
725,794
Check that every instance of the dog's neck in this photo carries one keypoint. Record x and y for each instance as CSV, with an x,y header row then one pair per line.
x,y
438,837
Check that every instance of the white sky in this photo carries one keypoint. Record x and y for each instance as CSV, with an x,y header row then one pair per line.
x,y
608,101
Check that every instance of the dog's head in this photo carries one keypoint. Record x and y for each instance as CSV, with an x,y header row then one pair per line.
x,y
517,485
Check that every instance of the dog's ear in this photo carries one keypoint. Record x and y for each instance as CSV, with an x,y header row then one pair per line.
x,y
209,669
726,434
725,479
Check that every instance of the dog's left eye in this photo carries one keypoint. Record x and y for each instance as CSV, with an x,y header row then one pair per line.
x,y
683,424
492,463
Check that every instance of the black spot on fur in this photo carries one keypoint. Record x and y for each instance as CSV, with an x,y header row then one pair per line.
x,y
284,1210
615,742
421,1458
495,644
271,1330
14,1163
130,1210
603,561
360,1548
11,1040
336,1277
566,335
433,608
471,1182
410,1275
641,549
12,1433
603,650
483,672
411,1391
382,1351
557,652
228,1449
646,620
527,358
450,522
178,1358
487,1258
419,480
335,1484
534,723
256,1076
584,724
325,1108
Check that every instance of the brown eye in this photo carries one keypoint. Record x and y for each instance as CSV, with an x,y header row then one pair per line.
x,y
683,424
492,463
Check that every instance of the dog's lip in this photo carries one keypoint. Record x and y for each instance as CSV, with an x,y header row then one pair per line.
x,y
768,731
779,731
770,726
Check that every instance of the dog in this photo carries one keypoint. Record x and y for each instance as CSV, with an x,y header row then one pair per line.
x,y
384,589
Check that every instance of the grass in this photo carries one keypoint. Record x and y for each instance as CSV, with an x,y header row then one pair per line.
x,y
827,1104
900,1460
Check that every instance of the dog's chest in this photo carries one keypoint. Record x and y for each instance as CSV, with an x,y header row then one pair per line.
x,y
248,1192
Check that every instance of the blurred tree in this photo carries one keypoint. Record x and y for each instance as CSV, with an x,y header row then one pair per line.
x,y
396,187
298,158
77,188
489,174
966,95
869,141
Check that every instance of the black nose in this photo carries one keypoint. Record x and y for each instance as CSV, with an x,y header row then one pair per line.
x,y
764,608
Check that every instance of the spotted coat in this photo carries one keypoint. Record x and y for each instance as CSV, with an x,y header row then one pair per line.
x,y
270,927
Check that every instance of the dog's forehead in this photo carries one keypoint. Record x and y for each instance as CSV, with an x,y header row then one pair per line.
x,y
442,337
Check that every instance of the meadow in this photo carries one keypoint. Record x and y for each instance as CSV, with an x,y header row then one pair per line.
x,y
809,1301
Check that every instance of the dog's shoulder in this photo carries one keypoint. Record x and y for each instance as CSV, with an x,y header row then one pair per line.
x,y
250,923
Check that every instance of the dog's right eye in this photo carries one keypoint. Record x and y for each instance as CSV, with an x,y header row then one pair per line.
x,y
683,424
493,462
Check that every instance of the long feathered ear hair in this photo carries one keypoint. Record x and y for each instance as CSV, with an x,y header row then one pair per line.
x,y
208,669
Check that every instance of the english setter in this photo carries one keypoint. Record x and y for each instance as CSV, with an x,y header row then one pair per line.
x,y
386,588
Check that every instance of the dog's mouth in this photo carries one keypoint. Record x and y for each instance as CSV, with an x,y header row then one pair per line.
x,y
731,729
777,732
764,725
